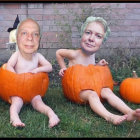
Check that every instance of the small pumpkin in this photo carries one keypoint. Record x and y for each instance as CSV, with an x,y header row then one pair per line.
x,y
80,77
24,85
130,89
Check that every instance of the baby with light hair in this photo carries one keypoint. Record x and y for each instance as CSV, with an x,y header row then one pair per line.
x,y
27,60
96,19
93,33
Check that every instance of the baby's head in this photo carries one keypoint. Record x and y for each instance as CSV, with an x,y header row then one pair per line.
x,y
96,19
28,36
24,21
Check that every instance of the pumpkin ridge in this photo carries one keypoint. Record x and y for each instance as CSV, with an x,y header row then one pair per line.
x,y
44,81
72,83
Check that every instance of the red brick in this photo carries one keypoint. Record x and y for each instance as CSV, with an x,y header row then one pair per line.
x,y
123,18
35,11
133,5
12,6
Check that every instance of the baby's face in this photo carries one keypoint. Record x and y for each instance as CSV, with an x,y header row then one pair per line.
x,y
92,37
28,37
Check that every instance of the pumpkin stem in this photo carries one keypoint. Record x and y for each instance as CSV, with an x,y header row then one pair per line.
x,y
134,74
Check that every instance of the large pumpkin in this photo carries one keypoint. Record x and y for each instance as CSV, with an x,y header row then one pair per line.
x,y
130,89
25,85
79,77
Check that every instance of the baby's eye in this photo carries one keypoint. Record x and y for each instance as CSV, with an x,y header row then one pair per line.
x,y
36,34
87,32
23,33
99,36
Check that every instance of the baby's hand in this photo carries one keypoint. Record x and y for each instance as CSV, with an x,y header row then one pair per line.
x,y
33,71
61,72
103,62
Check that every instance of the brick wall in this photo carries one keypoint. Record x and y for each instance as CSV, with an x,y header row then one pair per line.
x,y
60,22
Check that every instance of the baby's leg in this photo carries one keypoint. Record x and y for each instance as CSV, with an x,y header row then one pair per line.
x,y
117,103
39,105
15,108
97,106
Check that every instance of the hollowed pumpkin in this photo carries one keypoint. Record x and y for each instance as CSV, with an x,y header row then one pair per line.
x,y
25,85
130,89
80,77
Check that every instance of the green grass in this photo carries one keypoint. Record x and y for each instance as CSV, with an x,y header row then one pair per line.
x,y
76,120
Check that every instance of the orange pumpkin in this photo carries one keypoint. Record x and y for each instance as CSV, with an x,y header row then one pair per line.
x,y
130,89
25,85
79,77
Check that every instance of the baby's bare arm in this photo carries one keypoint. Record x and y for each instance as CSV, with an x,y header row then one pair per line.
x,y
44,65
60,55
64,53
12,62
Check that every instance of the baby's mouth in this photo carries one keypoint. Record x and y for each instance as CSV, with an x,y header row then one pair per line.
x,y
29,46
89,45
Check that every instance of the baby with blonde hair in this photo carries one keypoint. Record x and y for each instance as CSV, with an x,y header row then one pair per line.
x,y
94,32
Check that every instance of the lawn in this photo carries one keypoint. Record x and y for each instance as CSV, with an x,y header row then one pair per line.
x,y
77,121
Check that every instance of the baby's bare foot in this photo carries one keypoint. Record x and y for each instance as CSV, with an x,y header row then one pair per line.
x,y
134,115
53,121
116,119
137,114
17,123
